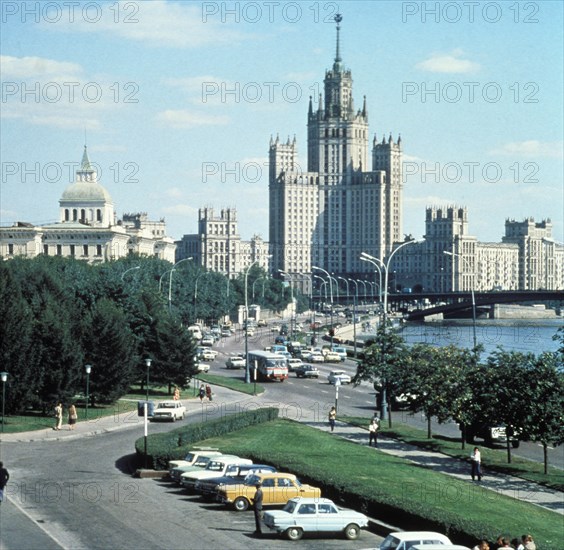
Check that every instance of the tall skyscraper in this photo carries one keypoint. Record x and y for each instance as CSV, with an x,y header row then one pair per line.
x,y
337,209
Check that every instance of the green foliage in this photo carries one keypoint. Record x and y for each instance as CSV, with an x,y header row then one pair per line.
x,y
175,444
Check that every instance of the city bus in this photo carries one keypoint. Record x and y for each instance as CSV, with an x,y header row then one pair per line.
x,y
267,366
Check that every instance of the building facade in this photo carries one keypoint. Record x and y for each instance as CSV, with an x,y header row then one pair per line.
x,y
346,202
452,260
218,246
88,228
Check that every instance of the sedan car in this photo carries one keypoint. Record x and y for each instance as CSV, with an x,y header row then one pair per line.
x,y
332,357
236,474
339,375
207,340
235,361
314,515
404,540
277,489
316,357
307,371
207,354
169,410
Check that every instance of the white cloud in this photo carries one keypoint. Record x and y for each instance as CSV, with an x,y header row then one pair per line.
x,y
448,63
531,148
190,119
180,209
37,67
174,192
157,23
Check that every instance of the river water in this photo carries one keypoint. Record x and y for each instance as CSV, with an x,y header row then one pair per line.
x,y
524,335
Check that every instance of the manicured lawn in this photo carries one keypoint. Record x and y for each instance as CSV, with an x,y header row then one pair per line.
x,y
374,481
492,459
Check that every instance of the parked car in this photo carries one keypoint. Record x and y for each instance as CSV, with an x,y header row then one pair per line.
x,y
236,473
277,489
203,460
215,467
307,371
439,547
405,540
192,457
314,515
236,361
340,375
168,410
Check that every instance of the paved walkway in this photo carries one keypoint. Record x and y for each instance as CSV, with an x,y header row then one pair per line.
x,y
231,402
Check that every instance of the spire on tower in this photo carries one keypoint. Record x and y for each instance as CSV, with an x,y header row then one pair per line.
x,y
85,165
337,66
364,112
310,108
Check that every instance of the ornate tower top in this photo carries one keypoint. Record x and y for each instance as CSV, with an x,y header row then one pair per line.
x,y
338,66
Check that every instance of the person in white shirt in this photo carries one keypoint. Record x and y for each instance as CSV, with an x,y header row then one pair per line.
x,y
476,459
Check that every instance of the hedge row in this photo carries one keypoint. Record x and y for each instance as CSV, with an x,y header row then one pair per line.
x,y
175,444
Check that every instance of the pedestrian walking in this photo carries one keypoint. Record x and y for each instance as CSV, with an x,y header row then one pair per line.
x,y
373,432
208,392
4,477
58,416
202,393
72,417
332,417
257,508
476,459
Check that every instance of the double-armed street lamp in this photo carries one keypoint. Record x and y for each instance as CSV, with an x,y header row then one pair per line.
x,y
88,370
331,330
386,266
3,378
367,258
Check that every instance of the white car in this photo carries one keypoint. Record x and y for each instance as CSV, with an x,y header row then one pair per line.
x,y
203,367
207,340
169,410
405,540
192,457
316,357
236,361
207,354
332,357
339,375
314,515
293,362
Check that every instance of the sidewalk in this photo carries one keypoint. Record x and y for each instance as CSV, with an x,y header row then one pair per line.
x,y
229,402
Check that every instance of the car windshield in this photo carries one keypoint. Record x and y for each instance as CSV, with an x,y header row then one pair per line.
x,y
189,457
290,506
252,480
390,543
215,466
166,406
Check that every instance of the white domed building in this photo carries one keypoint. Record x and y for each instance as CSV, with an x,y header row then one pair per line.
x,y
88,228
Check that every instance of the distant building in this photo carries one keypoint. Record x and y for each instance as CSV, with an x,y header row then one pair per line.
x,y
88,228
526,259
346,202
218,246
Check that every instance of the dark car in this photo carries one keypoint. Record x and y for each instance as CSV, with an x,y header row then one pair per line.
x,y
306,371
236,474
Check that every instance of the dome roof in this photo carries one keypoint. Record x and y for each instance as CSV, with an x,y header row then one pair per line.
x,y
87,191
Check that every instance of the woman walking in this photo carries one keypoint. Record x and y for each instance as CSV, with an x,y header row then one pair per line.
x,y
476,459
72,417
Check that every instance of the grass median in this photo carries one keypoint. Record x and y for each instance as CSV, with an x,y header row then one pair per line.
x,y
492,459
390,488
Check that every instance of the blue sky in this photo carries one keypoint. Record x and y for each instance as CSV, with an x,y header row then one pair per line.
x,y
178,101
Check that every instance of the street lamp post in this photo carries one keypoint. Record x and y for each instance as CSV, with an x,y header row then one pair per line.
x,y
347,283
331,330
355,301
148,362
460,256
367,258
88,370
170,282
3,378
128,270
285,274
386,266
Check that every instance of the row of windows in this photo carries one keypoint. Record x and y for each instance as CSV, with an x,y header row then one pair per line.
x,y
75,214
72,250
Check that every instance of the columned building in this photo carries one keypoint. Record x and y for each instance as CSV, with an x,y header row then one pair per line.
x,y
88,228
326,216
218,246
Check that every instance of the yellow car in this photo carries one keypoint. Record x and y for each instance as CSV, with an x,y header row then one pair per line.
x,y
277,489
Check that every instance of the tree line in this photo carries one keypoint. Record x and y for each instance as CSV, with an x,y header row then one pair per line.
x,y
522,392
60,314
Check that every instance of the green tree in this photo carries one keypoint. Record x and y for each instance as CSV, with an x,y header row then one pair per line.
x,y
383,364
110,348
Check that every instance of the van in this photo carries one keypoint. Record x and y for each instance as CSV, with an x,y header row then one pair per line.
x,y
196,331
341,351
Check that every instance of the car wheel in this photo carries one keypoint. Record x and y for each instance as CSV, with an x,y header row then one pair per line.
x,y
352,531
294,533
241,504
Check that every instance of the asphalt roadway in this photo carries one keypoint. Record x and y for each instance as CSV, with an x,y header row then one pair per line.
x,y
74,489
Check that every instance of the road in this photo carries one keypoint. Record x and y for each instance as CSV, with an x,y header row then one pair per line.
x,y
318,396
